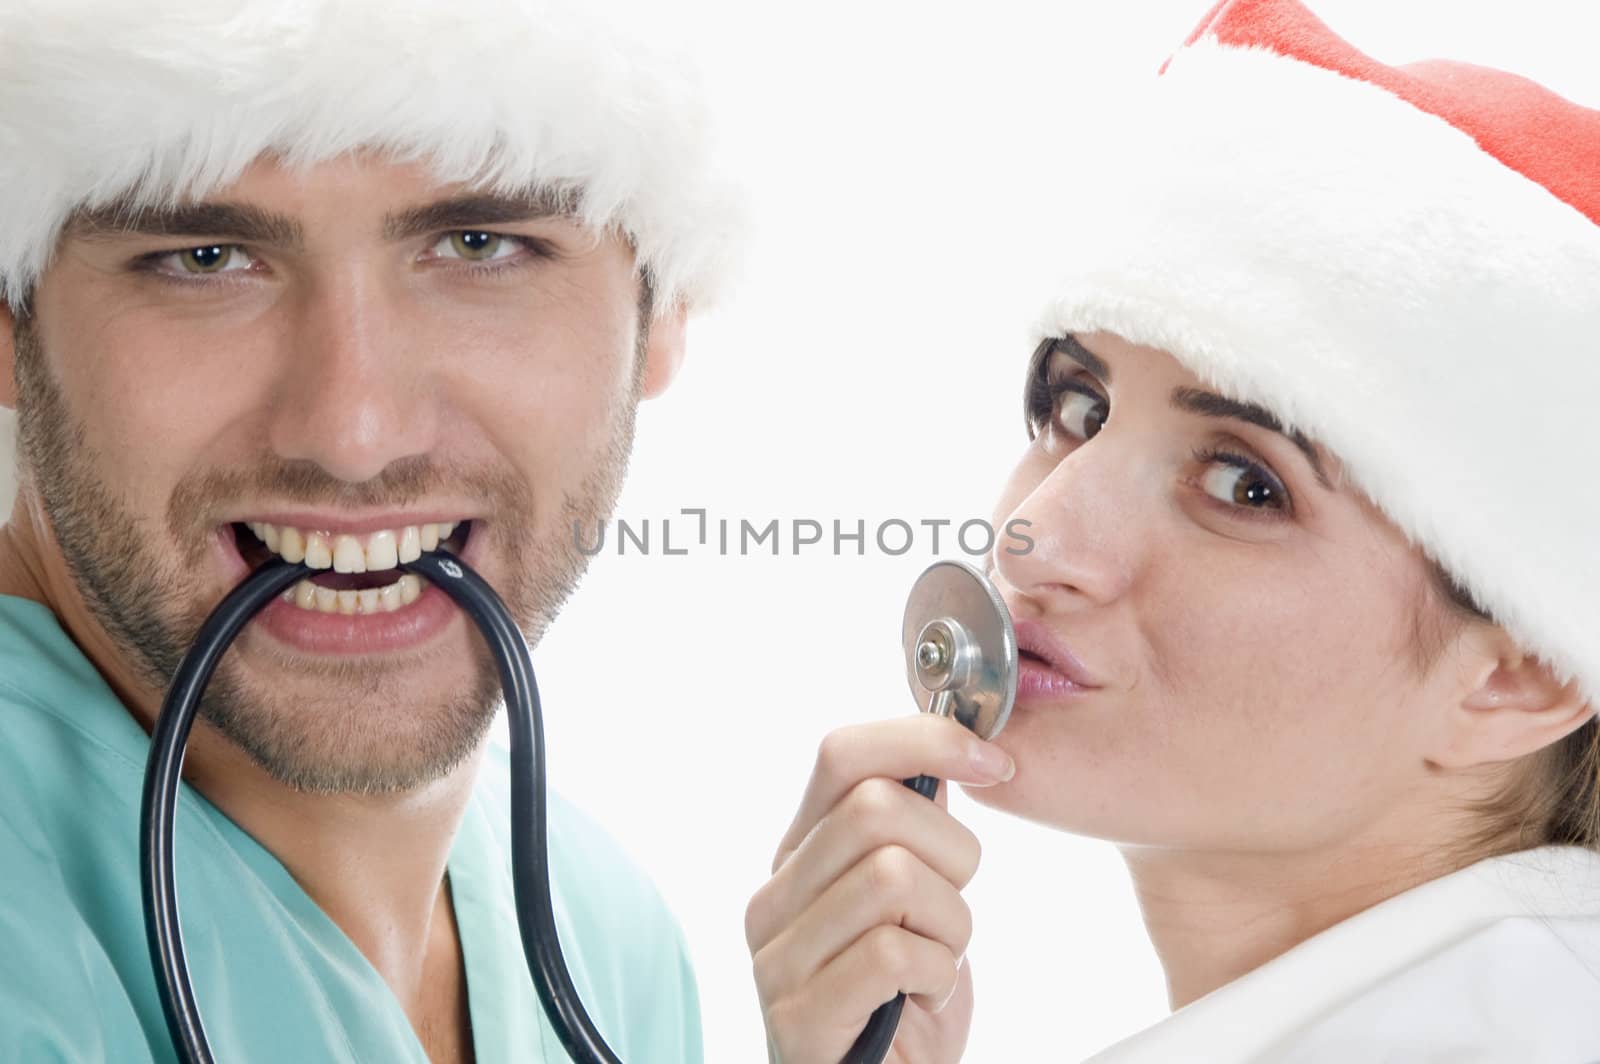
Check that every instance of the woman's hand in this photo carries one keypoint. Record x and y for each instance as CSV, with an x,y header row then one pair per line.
x,y
864,900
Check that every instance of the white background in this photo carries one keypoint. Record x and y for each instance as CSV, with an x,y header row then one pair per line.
x,y
869,367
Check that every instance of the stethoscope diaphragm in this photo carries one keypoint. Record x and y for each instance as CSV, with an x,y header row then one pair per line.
x,y
961,662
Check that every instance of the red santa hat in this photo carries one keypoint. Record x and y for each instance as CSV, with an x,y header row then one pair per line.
x,y
1402,262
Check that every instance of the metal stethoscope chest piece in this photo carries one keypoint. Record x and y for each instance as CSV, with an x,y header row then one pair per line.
x,y
961,653
961,662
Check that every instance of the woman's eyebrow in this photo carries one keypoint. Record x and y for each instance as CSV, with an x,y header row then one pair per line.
x,y
1206,404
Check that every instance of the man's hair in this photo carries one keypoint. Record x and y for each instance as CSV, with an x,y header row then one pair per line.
x,y
22,307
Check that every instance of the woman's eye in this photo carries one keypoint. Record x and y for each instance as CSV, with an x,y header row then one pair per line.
x,y
211,258
1241,483
1079,413
476,246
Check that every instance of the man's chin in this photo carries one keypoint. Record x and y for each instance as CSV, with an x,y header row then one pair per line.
x,y
352,759
361,730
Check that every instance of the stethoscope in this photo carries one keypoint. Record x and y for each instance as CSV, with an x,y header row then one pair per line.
x,y
961,661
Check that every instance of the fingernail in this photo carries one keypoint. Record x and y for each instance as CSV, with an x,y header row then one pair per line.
x,y
992,762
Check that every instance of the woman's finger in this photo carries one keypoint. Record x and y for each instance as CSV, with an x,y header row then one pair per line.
x,y
875,813
880,964
891,886
893,749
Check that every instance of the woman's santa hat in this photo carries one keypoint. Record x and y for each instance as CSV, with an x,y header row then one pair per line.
x,y
105,99
1401,262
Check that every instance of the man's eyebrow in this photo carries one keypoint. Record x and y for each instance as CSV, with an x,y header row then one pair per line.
x,y
468,211
237,222
248,224
1205,404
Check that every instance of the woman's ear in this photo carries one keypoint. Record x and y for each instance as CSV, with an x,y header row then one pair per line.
x,y
1516,706
664,348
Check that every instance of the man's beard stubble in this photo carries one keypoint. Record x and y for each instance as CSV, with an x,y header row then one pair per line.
x,y
152,609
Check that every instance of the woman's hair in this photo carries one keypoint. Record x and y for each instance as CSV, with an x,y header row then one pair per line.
x,y
1551,796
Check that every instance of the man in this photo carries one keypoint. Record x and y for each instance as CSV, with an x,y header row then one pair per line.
x,y
339,283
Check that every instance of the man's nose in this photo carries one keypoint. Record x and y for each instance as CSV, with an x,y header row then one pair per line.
x,y
1084,520
356,393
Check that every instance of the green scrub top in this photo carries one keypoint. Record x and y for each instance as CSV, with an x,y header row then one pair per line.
x,y
276,979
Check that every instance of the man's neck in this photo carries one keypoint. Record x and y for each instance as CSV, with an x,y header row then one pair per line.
x,y
374,863
19,576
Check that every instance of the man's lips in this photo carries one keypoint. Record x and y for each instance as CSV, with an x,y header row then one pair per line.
x,y
320,633
349,524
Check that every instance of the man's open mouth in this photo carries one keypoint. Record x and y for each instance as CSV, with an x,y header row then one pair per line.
x,y
355,574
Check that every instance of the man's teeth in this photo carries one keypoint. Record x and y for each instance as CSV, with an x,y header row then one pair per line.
x,y
353,554
403,592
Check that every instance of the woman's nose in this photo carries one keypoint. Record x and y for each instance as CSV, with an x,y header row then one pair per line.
x,y
355,394
1083,521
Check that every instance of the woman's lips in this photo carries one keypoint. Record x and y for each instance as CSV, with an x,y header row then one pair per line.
x,y
1038,682
1046,669
1038,640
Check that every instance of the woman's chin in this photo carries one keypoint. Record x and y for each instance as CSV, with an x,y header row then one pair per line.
x,y
1019,800
984,794
1054,811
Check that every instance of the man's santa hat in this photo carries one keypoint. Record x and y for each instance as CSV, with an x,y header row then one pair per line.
x,y
1401,262
105,99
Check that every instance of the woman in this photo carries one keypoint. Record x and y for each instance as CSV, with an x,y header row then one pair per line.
x,y
1311,627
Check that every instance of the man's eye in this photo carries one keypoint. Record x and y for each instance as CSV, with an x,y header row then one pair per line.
x,y
476,246
210,258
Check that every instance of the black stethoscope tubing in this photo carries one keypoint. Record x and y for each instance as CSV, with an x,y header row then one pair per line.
x,y
529,840
529,837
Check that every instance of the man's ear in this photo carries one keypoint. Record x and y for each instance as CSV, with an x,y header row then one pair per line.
x,y
1517,706
8,356
663,352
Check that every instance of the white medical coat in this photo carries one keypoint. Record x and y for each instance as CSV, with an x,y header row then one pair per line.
x,y
1498,963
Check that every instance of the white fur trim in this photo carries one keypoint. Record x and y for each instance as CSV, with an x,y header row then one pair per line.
x,y
170,97
1312,243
